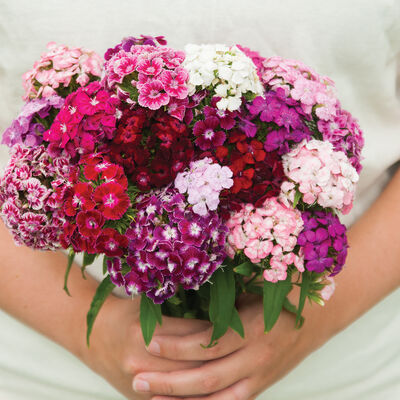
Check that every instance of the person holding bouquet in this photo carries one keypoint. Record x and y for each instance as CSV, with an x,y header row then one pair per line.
x,y
175,365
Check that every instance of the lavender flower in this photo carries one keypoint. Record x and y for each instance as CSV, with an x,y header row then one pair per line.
x,y
35,117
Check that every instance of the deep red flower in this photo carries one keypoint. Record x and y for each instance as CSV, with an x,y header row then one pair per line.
x,y
209,136
112,200
243,180
111,243
77,198
90,223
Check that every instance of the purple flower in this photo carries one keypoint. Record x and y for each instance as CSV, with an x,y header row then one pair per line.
x,y
35,117
170,245
267,108
323,242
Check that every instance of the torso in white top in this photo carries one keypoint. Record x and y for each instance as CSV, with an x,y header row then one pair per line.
x,y
356,43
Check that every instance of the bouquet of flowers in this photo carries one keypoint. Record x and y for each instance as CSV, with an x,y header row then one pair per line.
x,y
198,176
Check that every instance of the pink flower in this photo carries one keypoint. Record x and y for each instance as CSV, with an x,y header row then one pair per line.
x,y
321,174
175,82
151,67
153,96
329,289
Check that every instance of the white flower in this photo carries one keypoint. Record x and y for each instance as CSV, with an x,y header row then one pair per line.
x,y
227,69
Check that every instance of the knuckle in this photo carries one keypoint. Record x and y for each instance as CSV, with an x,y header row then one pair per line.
x,y
209,383
167,388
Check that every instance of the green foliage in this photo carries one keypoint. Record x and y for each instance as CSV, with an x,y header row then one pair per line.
x,y
274,295
88,259
102,292
222,302
247,268
236,323
126,86
71,257
150,314
288,306
304,292
297,198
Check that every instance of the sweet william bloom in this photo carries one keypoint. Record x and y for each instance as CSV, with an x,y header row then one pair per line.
x,y
111,243
273,230
112,200
208,134
153,96
90,223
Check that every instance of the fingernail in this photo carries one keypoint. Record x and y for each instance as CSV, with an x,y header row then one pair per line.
x,y
154,348
141,386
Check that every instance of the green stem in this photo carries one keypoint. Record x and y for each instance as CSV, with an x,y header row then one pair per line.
x,y
182,296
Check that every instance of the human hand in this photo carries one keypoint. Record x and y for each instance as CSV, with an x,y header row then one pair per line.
x,y
235,368
117,351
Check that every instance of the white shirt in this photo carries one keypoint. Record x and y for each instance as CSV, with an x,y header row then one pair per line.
x,y
356,43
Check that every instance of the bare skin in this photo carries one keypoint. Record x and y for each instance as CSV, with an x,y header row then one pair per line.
x,y
241,369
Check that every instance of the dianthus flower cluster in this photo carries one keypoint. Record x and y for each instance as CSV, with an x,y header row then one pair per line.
x,y
315,93
148,75
95,199
321,175
60,71
175,159
35,117
169,245
279,120
203,183
267,234
30,205
323,242
225,71
87,118
345,135
151,146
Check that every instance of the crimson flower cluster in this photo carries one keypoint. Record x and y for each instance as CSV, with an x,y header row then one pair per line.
x,y
169,245
93,204
151,146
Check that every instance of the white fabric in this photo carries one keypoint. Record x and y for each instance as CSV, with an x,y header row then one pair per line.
x,y
356,43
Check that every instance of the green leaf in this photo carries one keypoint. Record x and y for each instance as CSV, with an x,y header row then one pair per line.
x,y
246,268
274,295
102,292
236,323
105,258
305,284
88,259
150,314
297,198
222,301
255,289
71,257
288,306
175,300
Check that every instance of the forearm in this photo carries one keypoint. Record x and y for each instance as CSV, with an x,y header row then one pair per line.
x,y
372,269
31,291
